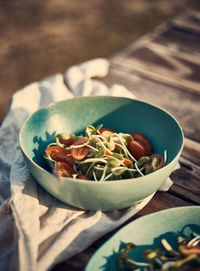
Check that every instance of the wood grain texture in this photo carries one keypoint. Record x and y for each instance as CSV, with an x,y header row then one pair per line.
x,y
183,105
189,21
191,150
171,54
186,182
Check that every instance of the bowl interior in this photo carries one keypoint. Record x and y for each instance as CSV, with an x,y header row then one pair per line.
x,y
121,114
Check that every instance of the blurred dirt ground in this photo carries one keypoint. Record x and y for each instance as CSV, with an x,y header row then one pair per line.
x,y
40,38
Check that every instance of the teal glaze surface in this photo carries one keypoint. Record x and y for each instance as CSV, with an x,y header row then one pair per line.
x,y
147,232
121,114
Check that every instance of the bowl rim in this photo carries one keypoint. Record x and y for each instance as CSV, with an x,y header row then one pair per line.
x,y
99,97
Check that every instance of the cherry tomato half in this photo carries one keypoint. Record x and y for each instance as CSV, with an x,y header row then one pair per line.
x,y
58,153
67,142
143,140
63,169
80,153
156,161
137,149
82,177
105,132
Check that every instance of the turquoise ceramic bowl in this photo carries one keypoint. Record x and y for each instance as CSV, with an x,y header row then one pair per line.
x,y
147,232
121,114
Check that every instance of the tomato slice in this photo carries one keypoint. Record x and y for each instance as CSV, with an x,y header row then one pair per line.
x,y
156,161
80,153
58,153
105,132
143,140
64,169
82,177
137,149
66,142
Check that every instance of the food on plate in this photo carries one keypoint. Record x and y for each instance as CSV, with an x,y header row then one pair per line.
x,y
186,257
102,154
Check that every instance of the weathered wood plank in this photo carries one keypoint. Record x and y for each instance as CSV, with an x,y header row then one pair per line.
x,y
160,64
192,167
179,34
182,34
160,201
191,151
184,106
189,21
180,40
186,183
165,55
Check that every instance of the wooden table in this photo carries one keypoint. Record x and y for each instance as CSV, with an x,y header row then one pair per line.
x,y
163,68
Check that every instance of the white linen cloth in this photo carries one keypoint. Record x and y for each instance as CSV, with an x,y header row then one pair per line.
x,y
36,230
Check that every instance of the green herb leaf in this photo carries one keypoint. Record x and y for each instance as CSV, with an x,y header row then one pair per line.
x,y
118,171
149,170
111,143
143,160
99,127
118,156
100,153
90,130
127,136
83,167
113,162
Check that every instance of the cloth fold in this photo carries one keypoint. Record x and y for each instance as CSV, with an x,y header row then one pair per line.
x,y
36,230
